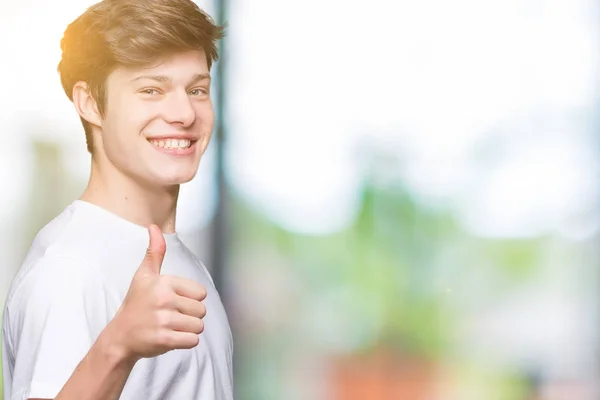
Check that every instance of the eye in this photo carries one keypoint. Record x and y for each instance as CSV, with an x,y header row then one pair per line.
x,y
198,92
150,91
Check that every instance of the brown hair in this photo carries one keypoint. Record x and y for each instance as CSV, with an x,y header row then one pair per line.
x,y
130,33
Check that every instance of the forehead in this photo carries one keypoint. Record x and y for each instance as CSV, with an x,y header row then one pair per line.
x,y
181,65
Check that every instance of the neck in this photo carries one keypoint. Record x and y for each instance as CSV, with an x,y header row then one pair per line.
x,y
136,202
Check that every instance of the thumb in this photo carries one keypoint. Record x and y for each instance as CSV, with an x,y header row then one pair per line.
x,y
155,253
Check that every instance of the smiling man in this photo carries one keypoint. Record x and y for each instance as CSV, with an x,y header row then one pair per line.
x,y
109,303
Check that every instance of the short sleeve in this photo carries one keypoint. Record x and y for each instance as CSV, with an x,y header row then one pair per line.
x,y
53,321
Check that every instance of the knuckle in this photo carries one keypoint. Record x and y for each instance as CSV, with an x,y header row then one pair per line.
x,y
163,319
199,327
165,280
164,339
164,299
190,341
202,310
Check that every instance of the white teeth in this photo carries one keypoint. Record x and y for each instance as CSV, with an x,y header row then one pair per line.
x,y
172,143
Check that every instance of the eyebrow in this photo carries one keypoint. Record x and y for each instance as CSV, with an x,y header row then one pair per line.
x,y
163,78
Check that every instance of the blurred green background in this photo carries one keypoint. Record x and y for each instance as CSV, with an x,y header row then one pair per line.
x,y
409,191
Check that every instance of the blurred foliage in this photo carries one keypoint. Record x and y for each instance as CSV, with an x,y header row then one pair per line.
x,y
394,267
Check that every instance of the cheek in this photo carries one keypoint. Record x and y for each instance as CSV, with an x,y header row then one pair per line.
x,y
206,125
126,123
207,117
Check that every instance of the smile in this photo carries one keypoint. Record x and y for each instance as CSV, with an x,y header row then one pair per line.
x,y
172,143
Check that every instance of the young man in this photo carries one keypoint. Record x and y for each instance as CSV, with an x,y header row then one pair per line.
x,y
98,310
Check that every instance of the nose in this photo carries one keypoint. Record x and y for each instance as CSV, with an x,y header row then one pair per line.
x,y
179,110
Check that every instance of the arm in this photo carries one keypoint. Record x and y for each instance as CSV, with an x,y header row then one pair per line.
x,y
102,373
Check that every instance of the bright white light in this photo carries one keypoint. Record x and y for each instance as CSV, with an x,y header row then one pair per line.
x,y
437,82
535,189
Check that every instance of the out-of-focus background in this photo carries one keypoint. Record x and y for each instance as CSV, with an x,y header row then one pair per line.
x,y
403,205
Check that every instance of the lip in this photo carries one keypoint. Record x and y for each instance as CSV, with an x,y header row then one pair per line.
x,y
177,136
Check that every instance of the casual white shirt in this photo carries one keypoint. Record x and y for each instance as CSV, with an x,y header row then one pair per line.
x,y
74,278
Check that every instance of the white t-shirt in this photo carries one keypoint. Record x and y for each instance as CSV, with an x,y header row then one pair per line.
x,y
70,286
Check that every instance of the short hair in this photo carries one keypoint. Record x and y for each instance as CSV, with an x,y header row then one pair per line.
x,y
131,33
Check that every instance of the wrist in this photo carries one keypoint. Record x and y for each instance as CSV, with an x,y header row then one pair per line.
x,y
114,349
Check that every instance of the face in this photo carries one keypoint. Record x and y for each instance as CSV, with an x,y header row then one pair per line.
x,y
158,121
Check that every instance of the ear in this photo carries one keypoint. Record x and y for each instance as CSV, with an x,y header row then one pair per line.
x,y
85,104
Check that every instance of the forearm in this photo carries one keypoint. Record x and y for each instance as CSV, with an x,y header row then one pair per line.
x,y
101,375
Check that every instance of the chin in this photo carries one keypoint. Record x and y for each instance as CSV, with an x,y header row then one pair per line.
x,y
176,179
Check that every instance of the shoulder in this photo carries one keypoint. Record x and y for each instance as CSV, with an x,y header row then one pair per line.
x,y
55,278
56,292
55,251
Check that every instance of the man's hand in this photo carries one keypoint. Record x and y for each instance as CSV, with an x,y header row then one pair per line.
x,y
160,313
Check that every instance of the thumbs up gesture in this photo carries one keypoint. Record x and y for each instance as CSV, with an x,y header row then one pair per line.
x,y
160,312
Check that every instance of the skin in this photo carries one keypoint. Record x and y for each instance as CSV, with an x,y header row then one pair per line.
x,y
135,179
129,176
